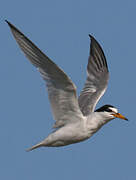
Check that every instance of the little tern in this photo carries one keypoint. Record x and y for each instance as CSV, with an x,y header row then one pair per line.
x,y
76,118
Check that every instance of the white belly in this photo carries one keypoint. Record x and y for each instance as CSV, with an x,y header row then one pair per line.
x,y
67,135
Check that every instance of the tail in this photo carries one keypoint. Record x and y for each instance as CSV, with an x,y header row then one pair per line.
x,y
35,146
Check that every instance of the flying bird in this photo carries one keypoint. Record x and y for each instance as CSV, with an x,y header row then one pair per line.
x,y
76,117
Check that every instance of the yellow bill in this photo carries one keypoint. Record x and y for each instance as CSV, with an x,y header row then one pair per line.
x,y
118,115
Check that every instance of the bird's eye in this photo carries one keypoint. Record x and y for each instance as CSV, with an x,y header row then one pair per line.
x,y
108,110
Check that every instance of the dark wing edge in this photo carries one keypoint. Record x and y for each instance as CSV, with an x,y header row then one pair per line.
x,y
97,78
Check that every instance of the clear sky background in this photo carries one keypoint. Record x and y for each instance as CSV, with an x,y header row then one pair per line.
x,y
60,29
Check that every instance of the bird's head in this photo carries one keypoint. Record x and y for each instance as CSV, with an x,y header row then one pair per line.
x,y
111,112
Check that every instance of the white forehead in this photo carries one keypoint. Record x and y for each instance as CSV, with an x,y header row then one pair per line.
x,y
113,109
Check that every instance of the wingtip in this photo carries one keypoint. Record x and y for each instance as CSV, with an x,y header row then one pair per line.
x,y
11,25
7,22
91,37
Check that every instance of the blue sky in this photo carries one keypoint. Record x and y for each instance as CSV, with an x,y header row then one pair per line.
x,y
60,29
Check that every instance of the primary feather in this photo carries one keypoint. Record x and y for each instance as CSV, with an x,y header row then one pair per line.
x,y
61,90
97,79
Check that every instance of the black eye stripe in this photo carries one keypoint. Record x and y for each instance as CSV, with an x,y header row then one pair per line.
x,y
102,110
108,110
105,108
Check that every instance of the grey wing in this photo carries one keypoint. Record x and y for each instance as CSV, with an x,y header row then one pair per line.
x,y
61,90
97,79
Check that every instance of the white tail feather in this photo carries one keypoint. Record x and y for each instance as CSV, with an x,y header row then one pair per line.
x,y
35,146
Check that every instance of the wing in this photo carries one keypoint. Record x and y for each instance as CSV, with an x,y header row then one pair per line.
x,y
97,79
61,90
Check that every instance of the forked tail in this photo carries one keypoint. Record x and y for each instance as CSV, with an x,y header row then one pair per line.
x,y
35,146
